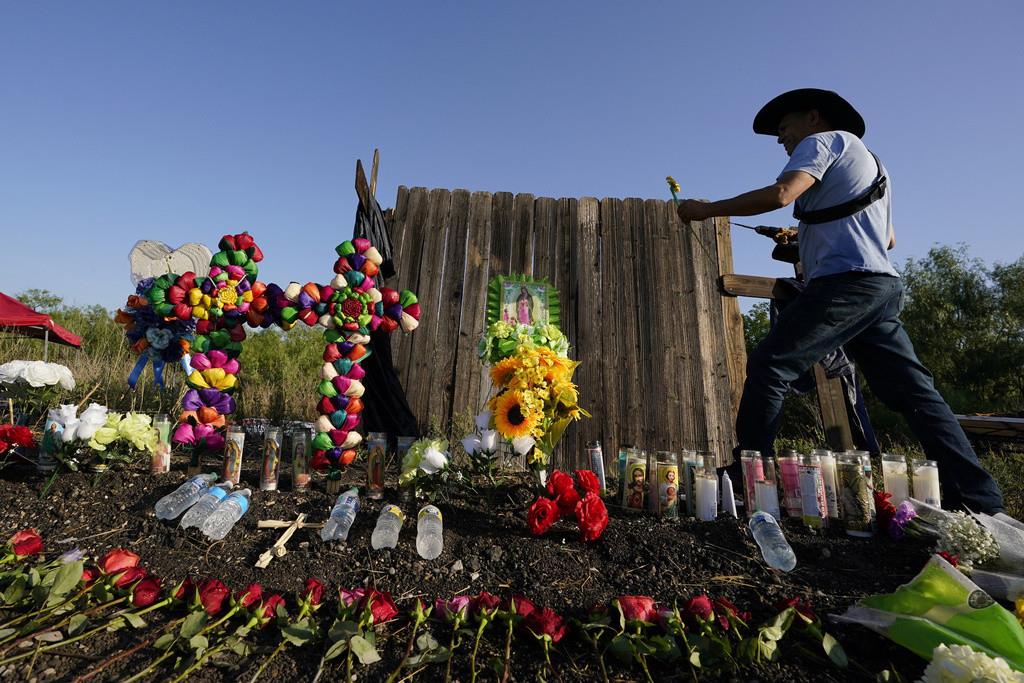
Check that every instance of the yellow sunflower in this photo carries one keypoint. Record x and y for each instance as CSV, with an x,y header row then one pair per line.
x,y
512,417
503,371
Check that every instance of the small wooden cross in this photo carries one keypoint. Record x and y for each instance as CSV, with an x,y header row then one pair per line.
x,y
279,549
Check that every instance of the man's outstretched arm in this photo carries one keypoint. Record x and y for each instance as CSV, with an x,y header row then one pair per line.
x,y
774,196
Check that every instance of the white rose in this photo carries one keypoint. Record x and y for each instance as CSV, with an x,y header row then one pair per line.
x,y
489,440
67,380
433,461
65,414
40,374
483,420
92,418
471,444
523,444
10,372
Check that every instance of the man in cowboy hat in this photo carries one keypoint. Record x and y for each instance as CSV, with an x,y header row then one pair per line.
x,y
853,295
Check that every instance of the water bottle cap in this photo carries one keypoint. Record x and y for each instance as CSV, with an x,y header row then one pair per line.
x,y
429,510
394,510
242,498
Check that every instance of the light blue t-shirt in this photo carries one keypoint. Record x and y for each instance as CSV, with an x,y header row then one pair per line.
x,y
845,170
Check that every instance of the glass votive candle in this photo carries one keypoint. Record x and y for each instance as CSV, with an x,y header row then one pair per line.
x,y
926,482
894,477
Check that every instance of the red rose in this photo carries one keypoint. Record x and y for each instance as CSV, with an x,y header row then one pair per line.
x,y
185,590
21,436
484,601
541,515
559,482
252,594
270,606
212,594
952,559
699,606
802,607
885,509
567,500
637,607
117,560
89,575
130,576
382,607
27,542
592,516
4,446
723,608
146,591
588,481
313,591
546,622
522,605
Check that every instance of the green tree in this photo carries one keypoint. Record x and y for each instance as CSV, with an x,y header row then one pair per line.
x,y
756,323
41,300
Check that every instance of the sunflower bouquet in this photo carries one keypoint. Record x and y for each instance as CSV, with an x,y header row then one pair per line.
x,y
536,400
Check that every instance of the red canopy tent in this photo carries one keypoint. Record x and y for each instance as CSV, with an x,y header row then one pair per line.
x,y
23,320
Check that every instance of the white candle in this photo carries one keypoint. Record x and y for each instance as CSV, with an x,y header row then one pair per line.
x,y
728,499
767,498
707,498
926,483
894,478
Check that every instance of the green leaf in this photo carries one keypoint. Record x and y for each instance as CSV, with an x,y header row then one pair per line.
x,y
435,656
134,619
6,632
426,642
621,648
297,634
199,644
193,624
16,591
335,650
342,630
165,641
835,651
238,646
362,649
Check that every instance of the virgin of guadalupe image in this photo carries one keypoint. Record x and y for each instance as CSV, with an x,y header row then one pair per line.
x,y
523,307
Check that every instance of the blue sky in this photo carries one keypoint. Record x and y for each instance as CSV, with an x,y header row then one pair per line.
x,y
179,121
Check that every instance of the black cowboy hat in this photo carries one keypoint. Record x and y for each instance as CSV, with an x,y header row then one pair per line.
x,y
834,108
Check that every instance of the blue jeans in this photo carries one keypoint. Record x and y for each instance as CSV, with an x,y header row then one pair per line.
x,y
860,311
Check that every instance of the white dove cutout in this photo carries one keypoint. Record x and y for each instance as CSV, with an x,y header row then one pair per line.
x,y
149,258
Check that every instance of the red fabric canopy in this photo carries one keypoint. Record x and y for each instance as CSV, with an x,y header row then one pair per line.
x,y
24,320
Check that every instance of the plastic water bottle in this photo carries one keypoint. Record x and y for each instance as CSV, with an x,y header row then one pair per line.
x,y
198,513
231,509
773,544
183,497
429,541
385,534
342,515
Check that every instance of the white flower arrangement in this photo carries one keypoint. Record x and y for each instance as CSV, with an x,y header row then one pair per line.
x,y
37,374
960,535
962,664
429,456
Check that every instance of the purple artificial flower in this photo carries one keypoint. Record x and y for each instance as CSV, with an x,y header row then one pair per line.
x,y
904,513
195,399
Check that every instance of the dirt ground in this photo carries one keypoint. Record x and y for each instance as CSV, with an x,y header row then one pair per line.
x,y
486,547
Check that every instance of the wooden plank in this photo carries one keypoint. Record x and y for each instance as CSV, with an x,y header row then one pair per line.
x,y
735,342
469,381
588,316
664,289
626,216
441,386
693,381
749,285
522,235
428,291
650,259
568,230
502,233
616,347
410,216
545,240
833,411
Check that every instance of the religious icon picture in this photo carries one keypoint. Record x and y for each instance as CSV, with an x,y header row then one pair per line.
x,y
520,300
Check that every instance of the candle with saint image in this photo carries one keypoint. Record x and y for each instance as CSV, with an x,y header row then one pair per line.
x,y
234,443
766,498
301,447
926,482
894,477
161,460
753,471
828,475
271,459
789,473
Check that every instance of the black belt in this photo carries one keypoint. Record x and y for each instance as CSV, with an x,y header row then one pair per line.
x,y
834,213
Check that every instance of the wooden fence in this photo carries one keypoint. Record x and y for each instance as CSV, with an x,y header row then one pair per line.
x,y
662,349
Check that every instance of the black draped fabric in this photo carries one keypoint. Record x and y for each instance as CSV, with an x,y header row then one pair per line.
x,y
386,408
